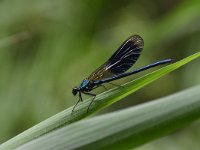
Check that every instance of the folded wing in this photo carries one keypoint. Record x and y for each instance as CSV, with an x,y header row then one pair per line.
x,y
123,59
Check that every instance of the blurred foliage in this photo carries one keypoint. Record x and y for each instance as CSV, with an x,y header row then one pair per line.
x,y
47,47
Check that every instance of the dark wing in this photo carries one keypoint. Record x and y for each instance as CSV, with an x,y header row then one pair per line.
x,y
126,55
121,60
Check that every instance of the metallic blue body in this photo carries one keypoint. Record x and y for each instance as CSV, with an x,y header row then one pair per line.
x,y
122,75
115,68
84,84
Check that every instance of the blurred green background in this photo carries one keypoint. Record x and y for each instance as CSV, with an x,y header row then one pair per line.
x,y
47,47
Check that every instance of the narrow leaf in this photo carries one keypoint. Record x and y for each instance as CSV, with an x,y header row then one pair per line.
x,y
125,129
102,100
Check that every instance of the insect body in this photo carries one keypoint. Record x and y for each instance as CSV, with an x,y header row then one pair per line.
x,y
115,68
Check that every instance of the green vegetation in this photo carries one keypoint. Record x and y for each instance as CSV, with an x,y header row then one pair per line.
x,y
125,129
103,100
48,47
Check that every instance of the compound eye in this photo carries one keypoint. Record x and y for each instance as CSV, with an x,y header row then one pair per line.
x,y
74,91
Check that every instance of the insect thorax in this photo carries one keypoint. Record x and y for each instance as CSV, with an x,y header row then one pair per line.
x,y
86,85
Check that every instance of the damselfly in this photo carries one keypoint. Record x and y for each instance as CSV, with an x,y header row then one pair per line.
x,y
115,68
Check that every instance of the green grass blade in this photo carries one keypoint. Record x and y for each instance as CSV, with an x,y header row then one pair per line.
x,y
125,129
102,100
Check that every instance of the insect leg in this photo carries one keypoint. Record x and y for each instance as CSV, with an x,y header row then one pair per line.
x,y
103,86
79,99
80,96
99,86
91,94
115,84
